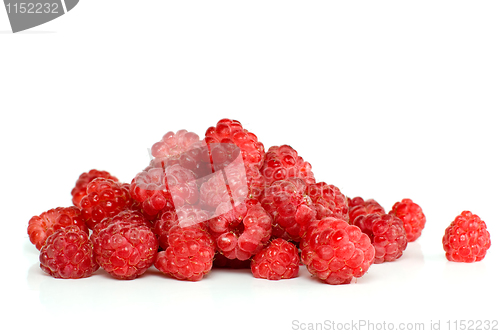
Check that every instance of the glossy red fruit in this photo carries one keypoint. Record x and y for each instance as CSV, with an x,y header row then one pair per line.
x,y
189,255
283,162
279,260
359,207
466,239
412,216
228,131
105,198
125,250
290,207
42,226
335,251
68,253
80,189
328,201
386,233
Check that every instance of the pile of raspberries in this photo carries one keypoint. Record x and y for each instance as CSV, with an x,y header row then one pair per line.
x,y
224,201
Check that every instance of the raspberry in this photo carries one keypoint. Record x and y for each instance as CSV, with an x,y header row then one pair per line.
x,y
105,198
185,216
131,217
386,233
159,190
41,227
466,239
174,144
239,184
240,232
291,208
283,162
189,255
328,201
67,253
279,260
412,216
80,189
358,207
335,251
125,250
232,132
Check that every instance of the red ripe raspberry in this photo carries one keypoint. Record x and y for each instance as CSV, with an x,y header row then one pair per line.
x,y
41,227
386,233
241,184
189,255
328,201
232,132
67,253
412,216
174,144
358,207
125,250
279,260
335,251
466,239
240,232
291,208
187,215
283,162
131,217
80,189
105,198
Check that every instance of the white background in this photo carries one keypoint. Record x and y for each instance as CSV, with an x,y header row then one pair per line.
x,y
386,100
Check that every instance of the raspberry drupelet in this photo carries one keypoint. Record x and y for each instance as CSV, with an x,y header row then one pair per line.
x,y
67,253
335,251
412,216
386,233
279,260
466,239
42,226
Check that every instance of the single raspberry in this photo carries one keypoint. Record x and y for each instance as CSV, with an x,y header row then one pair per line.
x,y
279,260
132,217
232,132
125,250
358,207
328,201
239,184
185,216
386,233
67,253
105,198
412,216
335,251
466,239
290,207
174,144
42,226
283,162
189,255
240,232
80,189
